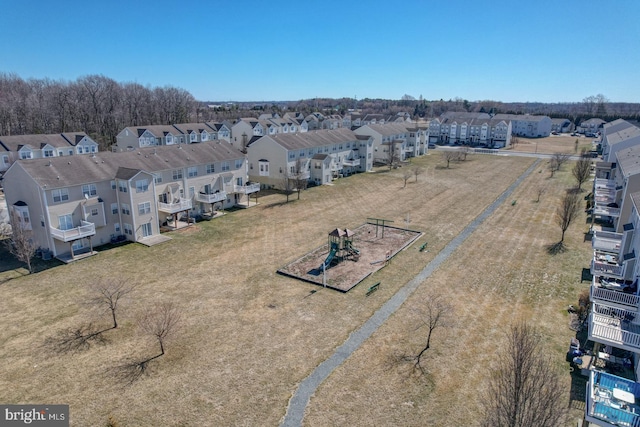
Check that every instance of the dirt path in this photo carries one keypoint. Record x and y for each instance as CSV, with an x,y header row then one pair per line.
x,y
300,399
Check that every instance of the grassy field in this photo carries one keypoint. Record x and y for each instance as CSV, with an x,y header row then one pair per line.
x,y
248,335
563,143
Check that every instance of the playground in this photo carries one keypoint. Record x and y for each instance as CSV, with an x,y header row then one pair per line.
x,y
350,256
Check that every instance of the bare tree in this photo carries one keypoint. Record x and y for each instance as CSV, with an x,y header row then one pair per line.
x,y
417,170
434,313
560,159
524,389
109,292
160,322
514,141
18,239
462,153
448,156
288,184
406,174
567,211
540,191
582,171
393,160
300,176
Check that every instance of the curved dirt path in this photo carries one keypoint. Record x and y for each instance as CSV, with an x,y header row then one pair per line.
x,y
308,386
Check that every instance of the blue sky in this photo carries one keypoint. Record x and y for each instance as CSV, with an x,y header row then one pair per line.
x,y
543,50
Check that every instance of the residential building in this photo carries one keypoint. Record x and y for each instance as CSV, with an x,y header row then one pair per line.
x,y
475,129
320,156
44,146
561,125
75,203
393,139
133,137
527,125
617,135
591,127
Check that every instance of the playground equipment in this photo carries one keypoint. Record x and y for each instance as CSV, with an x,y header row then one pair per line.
x,y
340,247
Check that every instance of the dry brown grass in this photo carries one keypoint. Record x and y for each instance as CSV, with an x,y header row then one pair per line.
x,y
248,335
554,144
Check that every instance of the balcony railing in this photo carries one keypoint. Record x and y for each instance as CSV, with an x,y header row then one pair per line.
x,y
213,197
606,210
617,297
607,268
181,205
351,162
607,241
615,329
247,189
86,229
604,184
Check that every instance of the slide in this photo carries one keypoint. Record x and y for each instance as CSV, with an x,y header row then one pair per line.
x,y
327,262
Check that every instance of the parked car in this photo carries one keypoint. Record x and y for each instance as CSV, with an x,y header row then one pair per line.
x,y
431,145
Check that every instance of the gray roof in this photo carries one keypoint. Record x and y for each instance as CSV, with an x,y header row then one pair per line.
x,y
191,127
15,142
635,198
317,138
616,126
629,160
520,117
387,129
157,130
623,135
55,172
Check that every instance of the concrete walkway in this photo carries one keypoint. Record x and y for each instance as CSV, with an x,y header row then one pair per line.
x,y
308,386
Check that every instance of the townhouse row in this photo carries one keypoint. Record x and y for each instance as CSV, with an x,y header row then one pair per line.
x,y
613,389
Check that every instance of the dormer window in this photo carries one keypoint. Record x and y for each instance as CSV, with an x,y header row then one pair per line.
x,y
26,154
204,136
193,137
169,139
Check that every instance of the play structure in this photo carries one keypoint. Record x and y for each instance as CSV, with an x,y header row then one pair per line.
x,y
340,247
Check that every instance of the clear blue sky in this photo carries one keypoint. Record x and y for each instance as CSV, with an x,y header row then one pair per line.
x,y
543,50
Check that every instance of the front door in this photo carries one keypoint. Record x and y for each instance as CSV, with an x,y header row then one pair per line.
x,y
147,230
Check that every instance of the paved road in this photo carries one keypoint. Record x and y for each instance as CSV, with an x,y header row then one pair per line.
x,y
308,386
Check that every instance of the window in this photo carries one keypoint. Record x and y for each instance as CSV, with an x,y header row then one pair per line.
x,y
94,211
192,171
116,227
5,160
146,229
113,185
292,155
169,139
239,163
48,152
65,222
122,186
177,174
25,155
144,208
192,191
128,229
125,209
157,178
211,168
193,137
114,208
204,136
225,166
89,190
60,195
142,185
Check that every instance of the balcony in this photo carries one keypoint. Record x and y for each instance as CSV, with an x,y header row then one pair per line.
x,y
613,326
351,162
604,210
607,241
248,188
604,184
611,400
220,196
86,229
179,206
614,293
612,265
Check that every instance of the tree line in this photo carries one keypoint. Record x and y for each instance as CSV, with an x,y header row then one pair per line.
x,y
94,104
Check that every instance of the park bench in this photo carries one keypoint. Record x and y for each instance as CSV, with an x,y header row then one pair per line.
x,y
373,288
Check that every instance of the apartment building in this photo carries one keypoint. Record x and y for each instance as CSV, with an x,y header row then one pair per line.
x,y
393,139
475,129
617,135
133,137
25,147
527,125
72,204
319,156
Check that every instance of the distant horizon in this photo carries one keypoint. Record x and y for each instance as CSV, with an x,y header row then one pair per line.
x,y
251,51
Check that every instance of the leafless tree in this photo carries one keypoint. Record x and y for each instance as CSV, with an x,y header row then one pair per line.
x,y
417,170
540,191
567,211
448,156
109,292
288,184
71,340
300,176
582,171
514,141
394,158
406,174
462,153
18,239
160,322
434,313
559,159
524,389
